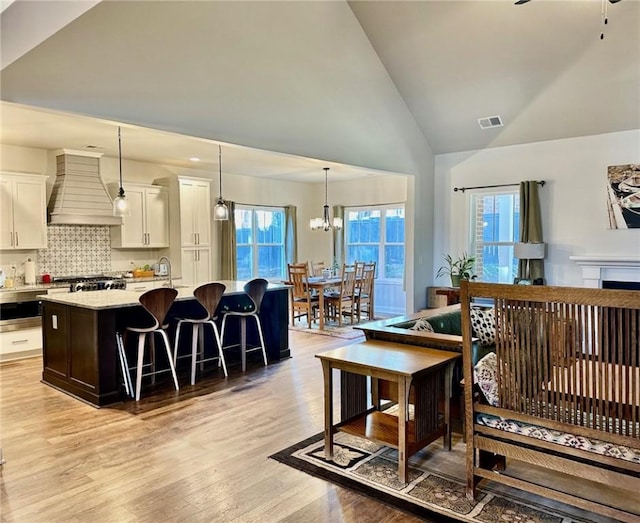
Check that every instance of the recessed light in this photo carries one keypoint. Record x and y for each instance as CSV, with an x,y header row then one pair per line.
x,y
194,159
90,146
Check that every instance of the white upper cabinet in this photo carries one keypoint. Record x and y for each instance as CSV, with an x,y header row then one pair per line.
x,y
148,223
23,211
195,209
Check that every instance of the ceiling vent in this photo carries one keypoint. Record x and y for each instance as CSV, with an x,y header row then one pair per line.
x,y
489,122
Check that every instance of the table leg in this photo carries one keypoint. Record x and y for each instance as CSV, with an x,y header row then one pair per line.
x,y
403,415
328,409
321,307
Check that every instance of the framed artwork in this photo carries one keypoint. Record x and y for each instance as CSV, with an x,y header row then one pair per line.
x,y
522,281
623,196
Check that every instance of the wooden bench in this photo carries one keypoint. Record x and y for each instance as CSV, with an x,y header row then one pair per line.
x,y
566,392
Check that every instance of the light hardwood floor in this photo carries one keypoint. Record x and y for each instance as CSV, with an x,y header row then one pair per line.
x,y
197,455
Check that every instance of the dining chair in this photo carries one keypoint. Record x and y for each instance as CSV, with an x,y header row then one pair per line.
x,y
209,296
341,302
254,291
317,268
364,292
303,303
157,303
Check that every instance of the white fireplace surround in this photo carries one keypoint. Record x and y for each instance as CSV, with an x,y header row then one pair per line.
x,y
596,269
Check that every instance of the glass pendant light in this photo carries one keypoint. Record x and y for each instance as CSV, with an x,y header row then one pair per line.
x,y
120,203
220,211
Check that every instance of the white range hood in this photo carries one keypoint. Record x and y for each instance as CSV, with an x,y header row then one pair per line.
x,y
79,196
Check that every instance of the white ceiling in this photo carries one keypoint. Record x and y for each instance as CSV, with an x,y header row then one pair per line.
x,y
371,84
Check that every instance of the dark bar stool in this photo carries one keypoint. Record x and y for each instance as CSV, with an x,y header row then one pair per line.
x,y
157,303
255,290
209,296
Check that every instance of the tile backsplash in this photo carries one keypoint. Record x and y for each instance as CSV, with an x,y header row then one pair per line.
x,y
76,249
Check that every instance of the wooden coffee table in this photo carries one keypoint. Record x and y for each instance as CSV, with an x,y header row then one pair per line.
x,y
423,373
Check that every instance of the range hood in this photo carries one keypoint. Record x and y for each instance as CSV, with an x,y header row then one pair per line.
x,y
79,196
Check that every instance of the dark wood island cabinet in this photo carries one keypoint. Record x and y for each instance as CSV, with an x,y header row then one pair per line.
x,y
80,355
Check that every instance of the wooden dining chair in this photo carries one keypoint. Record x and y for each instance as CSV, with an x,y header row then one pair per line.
x,y
317,268
364,292
341,302
303,303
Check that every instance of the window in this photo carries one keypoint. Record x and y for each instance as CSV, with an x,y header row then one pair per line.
x,y
260,242
377,234
495,228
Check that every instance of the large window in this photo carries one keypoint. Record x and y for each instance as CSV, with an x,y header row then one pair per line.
x,y
260,242
495,228
377,234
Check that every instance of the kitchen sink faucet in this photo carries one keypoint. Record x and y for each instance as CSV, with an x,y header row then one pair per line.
x,y
169,267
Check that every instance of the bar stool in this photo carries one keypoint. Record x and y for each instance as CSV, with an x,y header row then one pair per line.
x,y
255,290
157,303
209,296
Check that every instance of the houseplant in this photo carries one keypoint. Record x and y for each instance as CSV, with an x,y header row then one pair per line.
x,y
458,268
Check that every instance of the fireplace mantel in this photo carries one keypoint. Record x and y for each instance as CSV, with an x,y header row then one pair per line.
x,y
596,269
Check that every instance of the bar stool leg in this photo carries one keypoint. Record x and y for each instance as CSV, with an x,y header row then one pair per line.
x,y
194,351
141,340
243,342
176,343
167,347
221,359
264,353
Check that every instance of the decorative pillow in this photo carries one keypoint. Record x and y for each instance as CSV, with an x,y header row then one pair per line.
x,y
486,376
422,325
483,323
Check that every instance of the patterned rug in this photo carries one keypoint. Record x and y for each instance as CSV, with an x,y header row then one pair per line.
x,y
432,494
330,329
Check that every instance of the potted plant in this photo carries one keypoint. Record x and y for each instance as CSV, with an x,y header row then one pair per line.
x,y
458,268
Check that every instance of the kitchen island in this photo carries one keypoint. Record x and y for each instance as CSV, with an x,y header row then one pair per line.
x,y
80,355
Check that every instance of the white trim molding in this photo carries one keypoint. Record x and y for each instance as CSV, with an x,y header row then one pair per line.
x,y
596,269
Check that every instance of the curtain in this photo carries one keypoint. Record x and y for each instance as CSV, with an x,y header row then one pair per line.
x,y
290,234
227,251
338,236
530,227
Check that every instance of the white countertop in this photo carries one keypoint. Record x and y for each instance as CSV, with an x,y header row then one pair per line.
x,y
116,298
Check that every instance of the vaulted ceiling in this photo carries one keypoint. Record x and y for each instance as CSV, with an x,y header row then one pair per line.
x,y
372,84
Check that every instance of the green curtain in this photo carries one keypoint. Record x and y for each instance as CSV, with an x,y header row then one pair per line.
x,y
290,234
338,236
227,251
530,227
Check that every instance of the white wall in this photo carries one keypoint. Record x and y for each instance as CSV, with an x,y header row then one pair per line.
x,y
573,201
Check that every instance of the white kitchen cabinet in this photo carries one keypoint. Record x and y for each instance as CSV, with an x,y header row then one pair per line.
x,y
23,211
195,212
196,266
148,223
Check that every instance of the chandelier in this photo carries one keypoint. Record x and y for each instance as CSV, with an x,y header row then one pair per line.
x,y
325,223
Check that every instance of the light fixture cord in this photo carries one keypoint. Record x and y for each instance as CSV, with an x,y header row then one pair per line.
x,y
121,191
326,190
220,170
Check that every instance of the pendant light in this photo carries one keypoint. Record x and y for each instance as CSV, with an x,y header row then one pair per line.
x,y
325,223
221,211
120,203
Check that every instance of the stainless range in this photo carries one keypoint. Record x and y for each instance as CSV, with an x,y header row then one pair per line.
x,y
91,283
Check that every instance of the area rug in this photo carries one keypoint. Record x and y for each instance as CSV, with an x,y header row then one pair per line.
x,y
330,329
432,494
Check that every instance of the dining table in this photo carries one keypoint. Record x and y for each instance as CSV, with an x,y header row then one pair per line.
x,y
321,284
